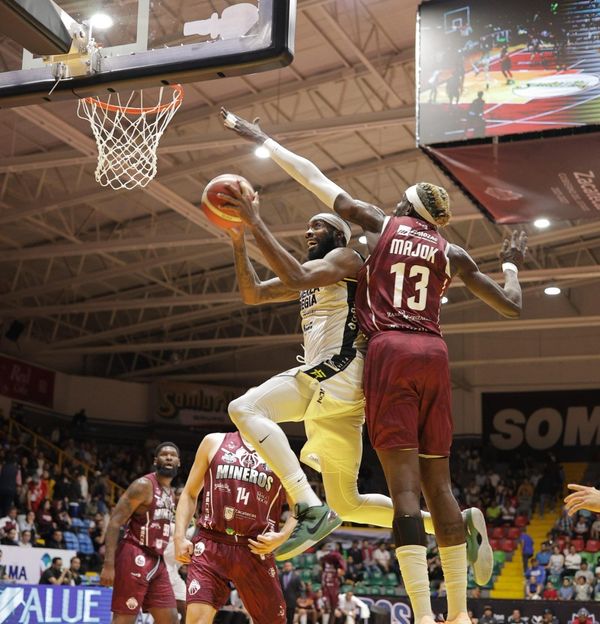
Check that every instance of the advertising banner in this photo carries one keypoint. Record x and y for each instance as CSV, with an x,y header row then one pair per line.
x,y
560,180
494,69
192,404
564,422
25,565
23,381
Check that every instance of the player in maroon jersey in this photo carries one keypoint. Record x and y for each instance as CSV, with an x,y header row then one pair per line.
x,y
238,521
135,567
407,381
333,565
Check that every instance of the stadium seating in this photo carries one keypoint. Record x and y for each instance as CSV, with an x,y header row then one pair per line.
x,y
71,540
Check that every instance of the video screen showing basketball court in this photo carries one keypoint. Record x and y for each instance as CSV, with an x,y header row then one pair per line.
x,y
490,69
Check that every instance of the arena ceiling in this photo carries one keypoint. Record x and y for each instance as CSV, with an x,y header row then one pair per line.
x,y
137,285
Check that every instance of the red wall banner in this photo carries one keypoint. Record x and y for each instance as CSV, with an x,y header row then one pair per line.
x,y
26,382
519,181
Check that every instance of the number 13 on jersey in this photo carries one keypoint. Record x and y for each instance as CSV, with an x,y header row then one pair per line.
x,y
419,300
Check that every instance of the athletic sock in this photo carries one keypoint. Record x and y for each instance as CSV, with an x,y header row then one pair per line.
x,y
271,443
413,566
454,566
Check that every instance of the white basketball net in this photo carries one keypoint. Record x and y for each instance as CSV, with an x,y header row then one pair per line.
x,y
127,137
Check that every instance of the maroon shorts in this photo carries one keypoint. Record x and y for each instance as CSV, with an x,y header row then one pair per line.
x,y
408,392
331,592
218,559
141,581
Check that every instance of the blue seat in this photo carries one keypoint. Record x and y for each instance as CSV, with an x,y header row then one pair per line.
x,y
71,540
86,547
77,524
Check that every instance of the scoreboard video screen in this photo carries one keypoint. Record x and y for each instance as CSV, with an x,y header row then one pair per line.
x,y
490,68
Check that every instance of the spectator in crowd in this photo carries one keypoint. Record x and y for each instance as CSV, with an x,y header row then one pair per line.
x,y
44,519
566,591
526,548
25,540
350,609
55,574
564,525
353,573
556,565
56,540
305,609
472,617
543,557
572,561
583,617
525,497
73,575
596,595
381,556
585,572
356,553
583,590
27,523
533,590
595,529
10,537
536,571
488,616
550,592
581,528
493,512
9,522
516,618
548,617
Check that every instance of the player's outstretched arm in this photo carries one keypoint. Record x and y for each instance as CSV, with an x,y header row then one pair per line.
x,y
137,494
337,264
508,300
254,290
189,496
369,217
582,497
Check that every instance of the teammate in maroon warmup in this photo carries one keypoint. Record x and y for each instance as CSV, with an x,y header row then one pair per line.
x,y
135,567
333,565
237,524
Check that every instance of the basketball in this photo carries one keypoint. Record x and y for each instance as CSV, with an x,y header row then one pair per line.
x,y
213,206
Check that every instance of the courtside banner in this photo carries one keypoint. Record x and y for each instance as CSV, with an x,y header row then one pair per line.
x,y
25,565
20,380
518,181
564,422
192,404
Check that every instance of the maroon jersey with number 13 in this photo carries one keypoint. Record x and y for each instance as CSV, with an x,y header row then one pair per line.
x,y
400,286
241,495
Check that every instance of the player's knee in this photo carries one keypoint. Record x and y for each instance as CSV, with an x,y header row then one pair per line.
x,y
408,530
239,409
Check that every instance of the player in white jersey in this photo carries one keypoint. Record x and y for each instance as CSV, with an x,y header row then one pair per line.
x,y
326,390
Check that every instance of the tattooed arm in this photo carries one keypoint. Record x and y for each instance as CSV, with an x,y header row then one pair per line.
x,y
252,288
138,494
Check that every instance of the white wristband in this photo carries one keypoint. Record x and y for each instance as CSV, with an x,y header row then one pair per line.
x,y
509,266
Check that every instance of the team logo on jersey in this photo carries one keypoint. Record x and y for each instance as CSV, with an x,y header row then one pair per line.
x,y
140,561
199,548
229,457
158,544
404,230
228,513
248,459
194,587
132,603
222,487
281,611
272,572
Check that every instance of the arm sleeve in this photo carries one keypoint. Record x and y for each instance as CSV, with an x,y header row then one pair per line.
x,y
304,172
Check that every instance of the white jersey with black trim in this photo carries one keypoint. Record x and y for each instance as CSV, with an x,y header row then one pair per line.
x,y
329,323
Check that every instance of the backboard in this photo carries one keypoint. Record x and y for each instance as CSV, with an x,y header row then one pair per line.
x,y
120,44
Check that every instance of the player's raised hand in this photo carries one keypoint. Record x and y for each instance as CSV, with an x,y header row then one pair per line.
x,y
243,200
107,576
514,248
247,130
266,543
582,497
183,550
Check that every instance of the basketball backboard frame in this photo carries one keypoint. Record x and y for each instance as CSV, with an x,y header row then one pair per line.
x,y
268,44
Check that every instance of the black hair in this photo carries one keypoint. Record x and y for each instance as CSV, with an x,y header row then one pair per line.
x,y
162,445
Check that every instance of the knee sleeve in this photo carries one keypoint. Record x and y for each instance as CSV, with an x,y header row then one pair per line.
x,y
408,530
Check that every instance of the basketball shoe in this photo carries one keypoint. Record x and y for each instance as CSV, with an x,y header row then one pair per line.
x,y
479,551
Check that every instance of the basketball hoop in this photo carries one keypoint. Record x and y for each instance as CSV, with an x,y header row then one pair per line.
x,y
127,137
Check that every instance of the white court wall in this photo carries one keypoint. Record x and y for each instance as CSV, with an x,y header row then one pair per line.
x,y
106,399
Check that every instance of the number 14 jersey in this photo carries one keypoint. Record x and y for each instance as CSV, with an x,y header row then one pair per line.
x,y
241,494
400,286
